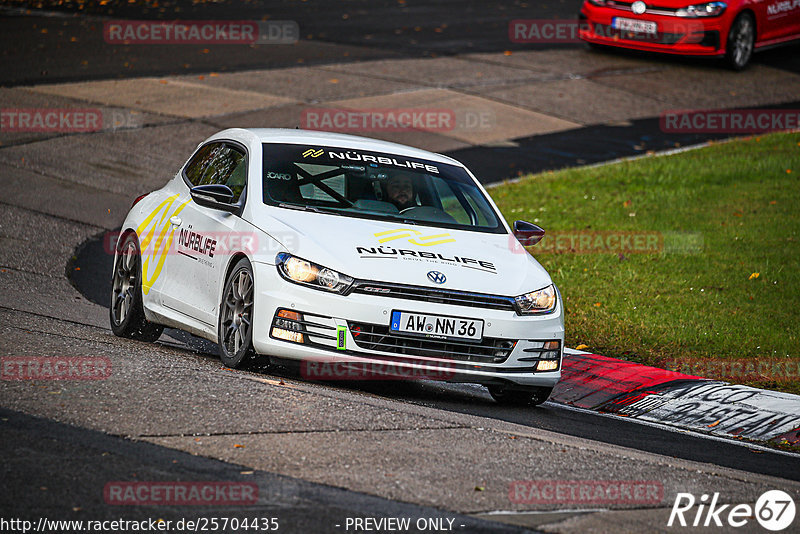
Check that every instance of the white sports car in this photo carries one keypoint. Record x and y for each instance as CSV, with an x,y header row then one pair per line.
x,y
336,249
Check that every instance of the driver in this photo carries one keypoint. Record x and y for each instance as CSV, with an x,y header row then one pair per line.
x,y
400,191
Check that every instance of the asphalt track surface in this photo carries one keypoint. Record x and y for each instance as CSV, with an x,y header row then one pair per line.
x,y
98,457
332,32
65,45
88,274
360,29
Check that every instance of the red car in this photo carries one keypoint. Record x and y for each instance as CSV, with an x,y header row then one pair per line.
x,y
732,29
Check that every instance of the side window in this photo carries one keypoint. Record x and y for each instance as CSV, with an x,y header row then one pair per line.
x,y
219,163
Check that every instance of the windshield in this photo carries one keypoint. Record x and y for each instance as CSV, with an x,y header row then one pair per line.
x,y
375,185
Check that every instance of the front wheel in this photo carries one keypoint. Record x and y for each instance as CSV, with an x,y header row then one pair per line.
x,y
741,41
127,312
532,396
235,328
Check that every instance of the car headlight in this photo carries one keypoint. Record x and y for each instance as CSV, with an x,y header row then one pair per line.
x,y
709,9
310,274
539,301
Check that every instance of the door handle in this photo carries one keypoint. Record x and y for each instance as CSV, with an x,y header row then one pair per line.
x,y
175,220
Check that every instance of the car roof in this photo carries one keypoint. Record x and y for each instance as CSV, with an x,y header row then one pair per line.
x,y
314,137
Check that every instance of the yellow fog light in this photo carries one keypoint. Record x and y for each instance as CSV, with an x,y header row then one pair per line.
x,y
547,365
285,326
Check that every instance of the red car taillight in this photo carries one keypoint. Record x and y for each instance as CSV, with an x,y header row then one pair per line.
x,y
137,199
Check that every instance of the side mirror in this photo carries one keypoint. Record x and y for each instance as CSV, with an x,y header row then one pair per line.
x,y
215,196
528,234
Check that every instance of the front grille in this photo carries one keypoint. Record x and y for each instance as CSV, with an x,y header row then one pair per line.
x,y
651,10
378,338
440,296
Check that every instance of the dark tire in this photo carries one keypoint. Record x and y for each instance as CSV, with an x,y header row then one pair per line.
x,y
126,312
741,42
532,396
235,326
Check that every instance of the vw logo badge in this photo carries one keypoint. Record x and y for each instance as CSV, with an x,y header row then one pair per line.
x,y
436,277
638,7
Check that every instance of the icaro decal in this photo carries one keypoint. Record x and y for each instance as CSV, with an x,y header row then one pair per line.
x,y
415,237
277,175
423,255
157,253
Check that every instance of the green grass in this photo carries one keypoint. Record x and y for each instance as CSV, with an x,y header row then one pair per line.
x,y
725,212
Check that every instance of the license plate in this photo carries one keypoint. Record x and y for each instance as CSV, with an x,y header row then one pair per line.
x,y
436,326
635,26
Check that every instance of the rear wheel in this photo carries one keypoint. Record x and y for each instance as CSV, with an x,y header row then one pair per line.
x,y
235,328
741,41
532,396
127,312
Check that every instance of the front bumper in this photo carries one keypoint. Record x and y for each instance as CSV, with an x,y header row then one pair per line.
x,y
675,35
509,353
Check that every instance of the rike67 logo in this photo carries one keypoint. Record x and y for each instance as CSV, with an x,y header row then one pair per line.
x,y
774,510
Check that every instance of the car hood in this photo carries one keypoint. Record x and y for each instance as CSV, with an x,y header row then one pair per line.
x,y
406,253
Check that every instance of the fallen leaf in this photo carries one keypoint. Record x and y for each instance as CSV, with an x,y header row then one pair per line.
x,y
479,488
581,347
238,446
754,275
